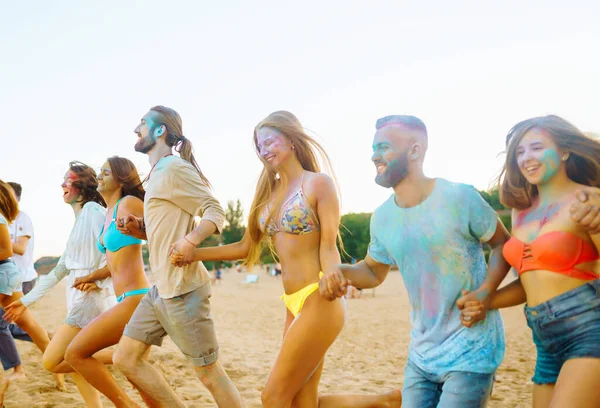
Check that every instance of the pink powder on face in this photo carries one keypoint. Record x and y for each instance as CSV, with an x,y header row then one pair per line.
x,y
270,142
71,175
68,183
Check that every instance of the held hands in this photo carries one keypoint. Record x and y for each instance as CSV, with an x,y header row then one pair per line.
x,y
82,280
14,311
86,283
87,287
176,258
333,284
181,253
474,306
132,225
586,211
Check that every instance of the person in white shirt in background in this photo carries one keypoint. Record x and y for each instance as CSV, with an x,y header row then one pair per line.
x,y
21,233
22,237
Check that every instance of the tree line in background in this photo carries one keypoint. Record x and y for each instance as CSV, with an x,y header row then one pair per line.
x,y
354,232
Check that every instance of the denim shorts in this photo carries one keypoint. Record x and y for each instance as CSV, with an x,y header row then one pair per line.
x,y
565,327
455,389
10,278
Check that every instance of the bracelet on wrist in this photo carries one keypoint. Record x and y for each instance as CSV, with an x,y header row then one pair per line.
x,y
194,245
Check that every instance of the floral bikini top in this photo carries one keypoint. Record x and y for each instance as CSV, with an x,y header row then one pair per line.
x,y
297,216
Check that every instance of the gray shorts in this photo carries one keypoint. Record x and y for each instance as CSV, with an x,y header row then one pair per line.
x,y
185,318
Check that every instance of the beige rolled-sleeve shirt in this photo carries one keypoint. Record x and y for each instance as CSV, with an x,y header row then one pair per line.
x,y
175,194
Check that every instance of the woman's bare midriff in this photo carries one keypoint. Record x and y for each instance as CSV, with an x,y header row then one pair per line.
x,y
127,269
541,286
299,257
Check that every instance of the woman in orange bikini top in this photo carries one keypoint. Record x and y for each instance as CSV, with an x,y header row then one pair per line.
x,y
297,208
549,164
561,252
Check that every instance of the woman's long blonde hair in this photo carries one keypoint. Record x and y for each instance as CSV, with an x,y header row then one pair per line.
x,y
309,153
582,165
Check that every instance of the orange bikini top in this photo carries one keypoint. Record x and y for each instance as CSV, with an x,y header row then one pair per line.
x,y
556,251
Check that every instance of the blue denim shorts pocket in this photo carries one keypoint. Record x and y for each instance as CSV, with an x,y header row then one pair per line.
x,y
569,316
575,307
565,327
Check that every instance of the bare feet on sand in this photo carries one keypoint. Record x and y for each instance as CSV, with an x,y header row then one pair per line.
x,y
4,384
59,379
17,374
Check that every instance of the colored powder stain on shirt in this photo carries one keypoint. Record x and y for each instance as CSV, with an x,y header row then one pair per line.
x,y
437,246
431,297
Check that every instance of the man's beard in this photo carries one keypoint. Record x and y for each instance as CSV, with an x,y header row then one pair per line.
x,y
396,170
145,144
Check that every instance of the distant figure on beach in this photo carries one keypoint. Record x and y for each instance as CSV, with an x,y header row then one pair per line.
x,y
297,207
551,181
433,230
277,269
217,275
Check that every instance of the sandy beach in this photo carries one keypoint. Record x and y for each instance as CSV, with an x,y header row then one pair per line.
x,y
368,357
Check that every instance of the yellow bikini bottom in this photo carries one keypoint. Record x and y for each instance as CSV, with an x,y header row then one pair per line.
x,y
295,301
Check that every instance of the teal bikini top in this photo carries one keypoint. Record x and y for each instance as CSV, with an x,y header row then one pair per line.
x,y
114,239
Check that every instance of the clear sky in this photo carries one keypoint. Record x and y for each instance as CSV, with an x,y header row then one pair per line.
x,y
76,77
